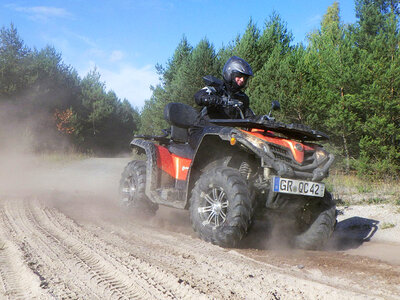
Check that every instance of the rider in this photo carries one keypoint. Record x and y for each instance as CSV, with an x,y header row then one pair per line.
x,y
235,73
221,99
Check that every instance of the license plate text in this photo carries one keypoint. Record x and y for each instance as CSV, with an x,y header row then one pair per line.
x,y
299,187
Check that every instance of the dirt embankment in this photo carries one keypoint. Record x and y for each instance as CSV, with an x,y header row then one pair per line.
x,y
62,235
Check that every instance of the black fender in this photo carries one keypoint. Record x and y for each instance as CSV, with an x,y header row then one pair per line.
x,y
152,171
214,149
154,190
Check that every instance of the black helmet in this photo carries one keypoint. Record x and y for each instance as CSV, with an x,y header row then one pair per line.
x,y
233,67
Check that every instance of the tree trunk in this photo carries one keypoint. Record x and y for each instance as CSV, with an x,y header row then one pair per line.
x,y
345,144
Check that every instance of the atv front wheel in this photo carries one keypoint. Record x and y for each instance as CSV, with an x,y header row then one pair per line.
x,y
220,206
320,229
132,188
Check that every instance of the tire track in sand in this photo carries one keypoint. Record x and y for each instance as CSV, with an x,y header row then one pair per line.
x,y
16,280
227,274
131,260
70,262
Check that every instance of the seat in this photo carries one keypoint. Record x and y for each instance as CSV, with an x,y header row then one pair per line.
x,y
180,116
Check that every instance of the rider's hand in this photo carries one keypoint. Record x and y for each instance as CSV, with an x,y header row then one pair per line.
x,y
212,100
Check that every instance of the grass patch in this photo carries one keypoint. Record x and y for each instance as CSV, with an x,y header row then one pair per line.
x,y
376,201
387,225
350,189
329,185
363,189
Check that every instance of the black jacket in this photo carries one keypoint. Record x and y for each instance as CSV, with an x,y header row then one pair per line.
x,y
213,98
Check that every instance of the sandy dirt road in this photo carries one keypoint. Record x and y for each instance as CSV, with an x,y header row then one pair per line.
x,y
63,236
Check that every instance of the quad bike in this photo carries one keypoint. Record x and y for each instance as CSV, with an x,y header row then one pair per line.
x,y
240,170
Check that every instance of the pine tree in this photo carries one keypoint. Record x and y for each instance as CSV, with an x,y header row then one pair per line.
x,y
247,46
189,78
152,120
333,66
180,55
272,72
151,116
275,34
379,145
14,60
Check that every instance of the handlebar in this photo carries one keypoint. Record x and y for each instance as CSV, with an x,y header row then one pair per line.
x,y
227,102
231,102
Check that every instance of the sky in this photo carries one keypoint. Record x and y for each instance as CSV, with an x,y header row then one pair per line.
x,y
125,39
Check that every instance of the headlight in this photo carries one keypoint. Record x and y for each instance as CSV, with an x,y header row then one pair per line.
x,y
256,142
321,155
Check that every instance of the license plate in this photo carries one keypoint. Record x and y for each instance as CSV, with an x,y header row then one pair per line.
x,y
298,187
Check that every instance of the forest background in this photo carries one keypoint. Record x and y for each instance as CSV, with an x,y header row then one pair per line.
x,y
345,81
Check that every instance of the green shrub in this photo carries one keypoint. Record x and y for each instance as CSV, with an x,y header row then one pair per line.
x,y
377,169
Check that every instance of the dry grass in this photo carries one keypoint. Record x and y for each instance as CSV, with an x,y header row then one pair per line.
x,y
61,158
352,190
387,225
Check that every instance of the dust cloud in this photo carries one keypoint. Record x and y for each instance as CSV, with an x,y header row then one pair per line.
x,y
30,169
84,189
22,134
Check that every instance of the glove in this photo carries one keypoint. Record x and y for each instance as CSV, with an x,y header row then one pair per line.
x,y
212,100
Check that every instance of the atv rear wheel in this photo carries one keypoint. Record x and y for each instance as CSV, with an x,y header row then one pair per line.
x,y
132,188
321,227
220,206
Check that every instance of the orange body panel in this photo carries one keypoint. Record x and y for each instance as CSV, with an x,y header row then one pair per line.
x,y
172,164
297,154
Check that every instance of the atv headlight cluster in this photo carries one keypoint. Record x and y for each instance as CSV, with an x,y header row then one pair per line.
x,y
256,142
